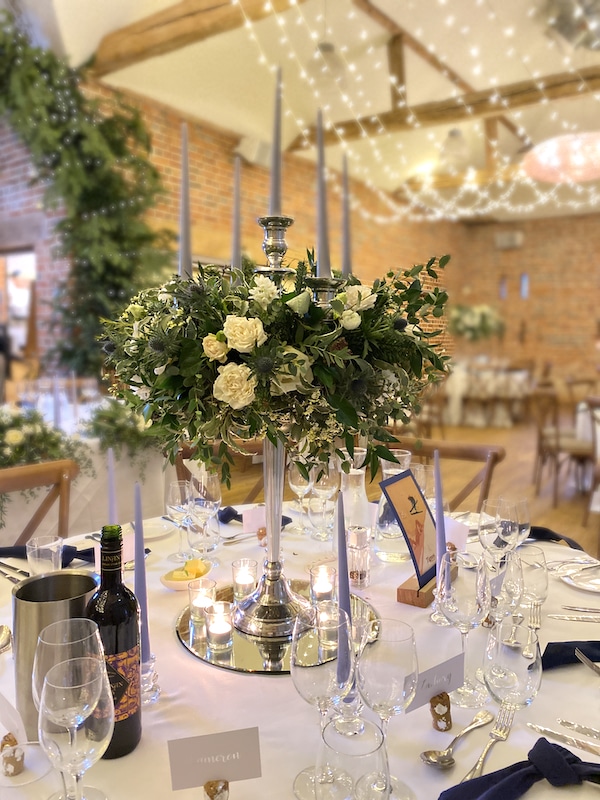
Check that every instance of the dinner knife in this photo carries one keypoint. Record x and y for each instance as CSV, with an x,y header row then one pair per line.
x,y
11,578
583,729
582,608
572,741
576,617
22,572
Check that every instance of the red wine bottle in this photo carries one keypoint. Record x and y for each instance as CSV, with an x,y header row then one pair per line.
x,y
115,608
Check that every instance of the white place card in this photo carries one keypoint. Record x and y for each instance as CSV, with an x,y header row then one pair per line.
x,y
254,518
229,756
444,677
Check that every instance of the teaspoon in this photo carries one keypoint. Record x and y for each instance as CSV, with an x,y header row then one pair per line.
x,y
442,759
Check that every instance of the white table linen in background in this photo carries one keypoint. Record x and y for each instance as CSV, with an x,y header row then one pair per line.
x,y
201,699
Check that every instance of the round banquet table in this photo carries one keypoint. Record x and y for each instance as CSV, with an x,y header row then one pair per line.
x,y
198,698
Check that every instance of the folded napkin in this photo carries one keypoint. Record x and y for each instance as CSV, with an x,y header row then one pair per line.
x,y
546,535
558,654
69,553
556,764
229,514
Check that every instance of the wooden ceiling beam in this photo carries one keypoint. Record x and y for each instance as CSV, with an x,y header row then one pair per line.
x,y
476,178
466,108
426,55
177,26
395,50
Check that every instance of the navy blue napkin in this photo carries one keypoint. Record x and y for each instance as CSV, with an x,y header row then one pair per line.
x,y
69,553
546,535
229,514
556,764
558,654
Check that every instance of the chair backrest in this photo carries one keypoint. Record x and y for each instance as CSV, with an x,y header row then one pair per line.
x,y
57,476
593,403
488,455
545,410
186,454
579,388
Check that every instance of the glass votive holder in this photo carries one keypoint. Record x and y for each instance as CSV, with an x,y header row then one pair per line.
x,y
243,573
202,593
219,625
322,583
359,556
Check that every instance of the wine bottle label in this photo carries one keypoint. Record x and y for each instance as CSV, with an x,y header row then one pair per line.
x,y
110,561
124,676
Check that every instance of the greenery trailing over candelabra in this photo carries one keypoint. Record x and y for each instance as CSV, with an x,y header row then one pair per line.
x,y
92,159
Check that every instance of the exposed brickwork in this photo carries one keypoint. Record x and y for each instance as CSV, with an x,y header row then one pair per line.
x,y
561,255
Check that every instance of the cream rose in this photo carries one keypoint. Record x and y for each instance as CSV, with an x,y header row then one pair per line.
x,y
285,381
350,320
244,334
13,437
360,298
235,385
214,348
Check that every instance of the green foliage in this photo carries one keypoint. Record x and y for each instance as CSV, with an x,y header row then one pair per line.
x,y
94,163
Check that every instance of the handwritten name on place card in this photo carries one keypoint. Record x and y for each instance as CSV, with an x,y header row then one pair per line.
x,y
230,756
444,677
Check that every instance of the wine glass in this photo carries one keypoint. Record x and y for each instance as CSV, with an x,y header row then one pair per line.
x,y
322,668
506,583
205,501
523,519
300,485
61,641
498,528
463,595
178,507
352,766
76,720
512,667
386,676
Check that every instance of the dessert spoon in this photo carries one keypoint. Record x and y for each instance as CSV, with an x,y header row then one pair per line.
x,y
443,759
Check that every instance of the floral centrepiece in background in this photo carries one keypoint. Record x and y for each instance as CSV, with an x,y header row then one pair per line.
x,y
221,358
475,322
28,439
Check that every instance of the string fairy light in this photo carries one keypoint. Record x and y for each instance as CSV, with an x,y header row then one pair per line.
x,y
422,200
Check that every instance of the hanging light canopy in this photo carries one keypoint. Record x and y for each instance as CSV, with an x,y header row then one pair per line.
x,y
573,157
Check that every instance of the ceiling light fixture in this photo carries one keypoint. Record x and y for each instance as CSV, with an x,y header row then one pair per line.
x,y
574,157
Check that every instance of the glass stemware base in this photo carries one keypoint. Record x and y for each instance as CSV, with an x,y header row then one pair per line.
x,y
304,784
470,695
87,793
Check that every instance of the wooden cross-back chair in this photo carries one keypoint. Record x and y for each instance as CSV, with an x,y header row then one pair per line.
x,y
57,476
489,456
186,453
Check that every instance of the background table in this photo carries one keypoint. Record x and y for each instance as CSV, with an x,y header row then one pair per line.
x,y
198,698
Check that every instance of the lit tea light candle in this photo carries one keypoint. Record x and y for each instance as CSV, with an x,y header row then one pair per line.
x,y
322,583
202,593
244,577
219,628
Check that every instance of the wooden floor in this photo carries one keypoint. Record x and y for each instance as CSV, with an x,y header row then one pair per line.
x,y
513,477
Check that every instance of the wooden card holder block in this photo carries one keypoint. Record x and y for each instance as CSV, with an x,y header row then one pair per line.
x,y
410,594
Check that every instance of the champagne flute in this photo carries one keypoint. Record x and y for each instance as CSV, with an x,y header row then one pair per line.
x,y
300,486
523,519
325,486
322,668
506,583
386,676
463,596
76,720
205,501
535,575
178,508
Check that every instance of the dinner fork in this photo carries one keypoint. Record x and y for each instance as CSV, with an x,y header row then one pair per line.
x,y
535,616
499,733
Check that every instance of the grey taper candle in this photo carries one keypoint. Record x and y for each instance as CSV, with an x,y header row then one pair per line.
x,y
185,244
346,244
275,197
323,262
236,245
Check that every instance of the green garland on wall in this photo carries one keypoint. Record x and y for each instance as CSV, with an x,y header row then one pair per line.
x,y
95,168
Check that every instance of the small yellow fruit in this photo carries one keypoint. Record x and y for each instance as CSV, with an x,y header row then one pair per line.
x,y
195,568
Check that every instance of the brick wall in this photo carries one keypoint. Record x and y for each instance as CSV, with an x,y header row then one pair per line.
x,y
560,255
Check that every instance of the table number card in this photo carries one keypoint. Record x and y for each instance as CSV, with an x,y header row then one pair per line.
x,y
416,521
229,756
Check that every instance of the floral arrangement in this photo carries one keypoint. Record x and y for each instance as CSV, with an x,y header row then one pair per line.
x,y
223,358
475,322
28,439
121,428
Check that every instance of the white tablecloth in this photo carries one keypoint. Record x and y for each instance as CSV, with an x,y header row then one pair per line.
x,y
200,699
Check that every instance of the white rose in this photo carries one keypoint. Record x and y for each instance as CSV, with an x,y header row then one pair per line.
x,y
350,320
160,370
13,437
235,385
300,303
264,291
360,298
285,381
244,334
214,349
143,392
